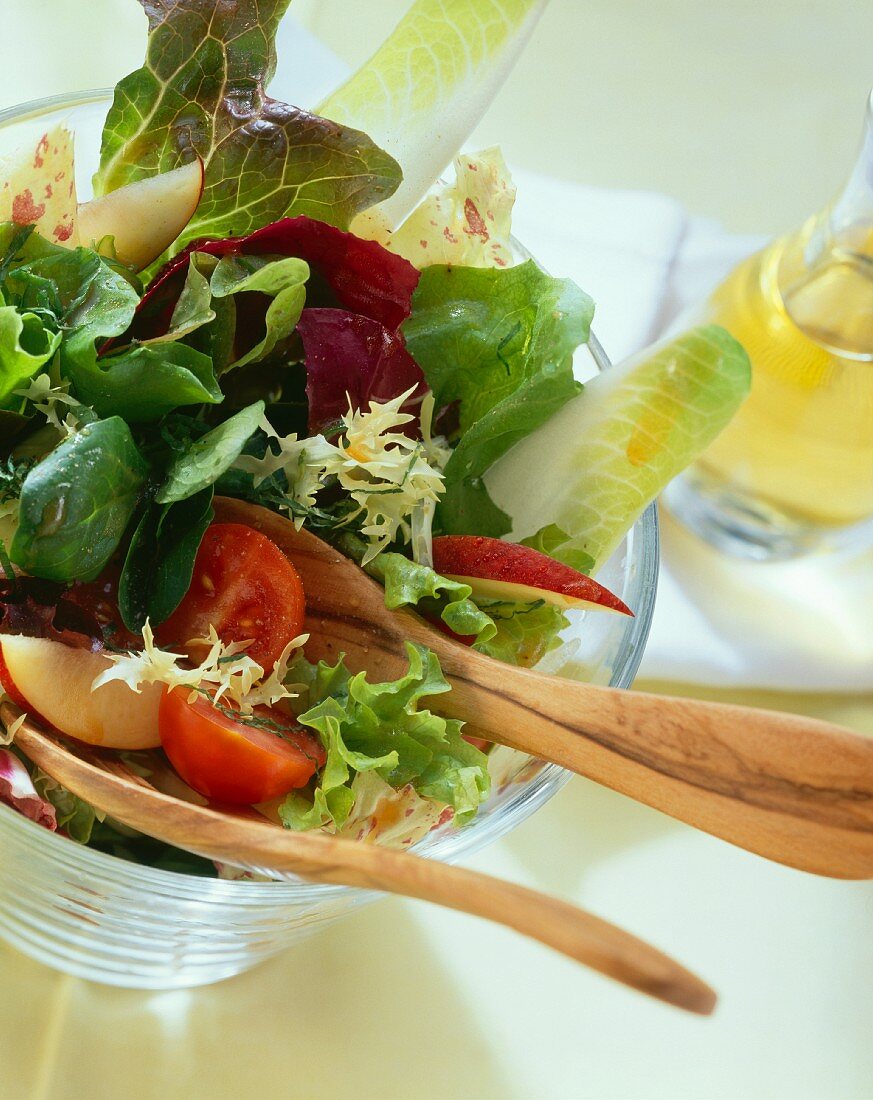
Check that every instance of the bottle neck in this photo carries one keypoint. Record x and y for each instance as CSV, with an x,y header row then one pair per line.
x,y
826,272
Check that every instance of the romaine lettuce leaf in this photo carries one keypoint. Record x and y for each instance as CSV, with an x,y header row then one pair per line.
x,y
381,728
201,92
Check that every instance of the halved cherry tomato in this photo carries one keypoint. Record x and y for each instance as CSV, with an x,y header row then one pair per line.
x,y
233,761
246,588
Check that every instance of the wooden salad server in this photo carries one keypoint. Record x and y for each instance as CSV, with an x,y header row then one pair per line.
x,y
794,789
248,841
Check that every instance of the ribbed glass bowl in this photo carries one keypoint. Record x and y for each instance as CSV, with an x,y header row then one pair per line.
x,y
111,921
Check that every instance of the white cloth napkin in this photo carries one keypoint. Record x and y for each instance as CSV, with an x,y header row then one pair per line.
x,y
798,626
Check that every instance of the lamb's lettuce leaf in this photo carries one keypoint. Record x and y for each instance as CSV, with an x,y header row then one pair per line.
x,y
160,560
201,92
76,503
283,283
209,456
382,728
141,384
497,344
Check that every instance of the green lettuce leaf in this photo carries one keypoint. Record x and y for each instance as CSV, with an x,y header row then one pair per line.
x,y
26,345
77,502
160,560
479,333
89,300
283,280
208,457
201,92
523,632
555,542
75,816
499,342
139,383
381,728
408,584
466,507
142,383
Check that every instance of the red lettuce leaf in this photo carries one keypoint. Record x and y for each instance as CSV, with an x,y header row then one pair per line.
x,y
350,358
17,790
348,271
38,608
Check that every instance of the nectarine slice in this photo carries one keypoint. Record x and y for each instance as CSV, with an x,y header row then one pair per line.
x,y
499,570
55,682
144,217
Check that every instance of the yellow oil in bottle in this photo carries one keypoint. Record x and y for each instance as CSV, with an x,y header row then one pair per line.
x,y
802,444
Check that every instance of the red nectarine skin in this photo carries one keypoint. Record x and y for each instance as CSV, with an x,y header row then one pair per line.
x,y
477,557
8,685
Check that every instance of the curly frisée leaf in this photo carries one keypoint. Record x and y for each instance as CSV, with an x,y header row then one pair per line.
x,y
201,92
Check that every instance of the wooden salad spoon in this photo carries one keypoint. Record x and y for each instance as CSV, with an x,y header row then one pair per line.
x,y
259,845
794,789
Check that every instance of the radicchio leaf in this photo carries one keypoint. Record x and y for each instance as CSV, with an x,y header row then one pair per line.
x,y
348,271
353,359
17,790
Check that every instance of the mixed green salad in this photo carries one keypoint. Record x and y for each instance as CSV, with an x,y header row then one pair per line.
x,y
241,312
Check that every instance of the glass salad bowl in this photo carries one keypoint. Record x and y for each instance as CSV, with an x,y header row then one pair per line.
x,y
103,918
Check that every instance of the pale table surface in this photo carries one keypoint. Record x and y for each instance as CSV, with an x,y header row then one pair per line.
x,y
747,112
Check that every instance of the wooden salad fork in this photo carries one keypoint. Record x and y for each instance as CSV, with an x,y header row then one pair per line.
x,y
794,789
259,845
